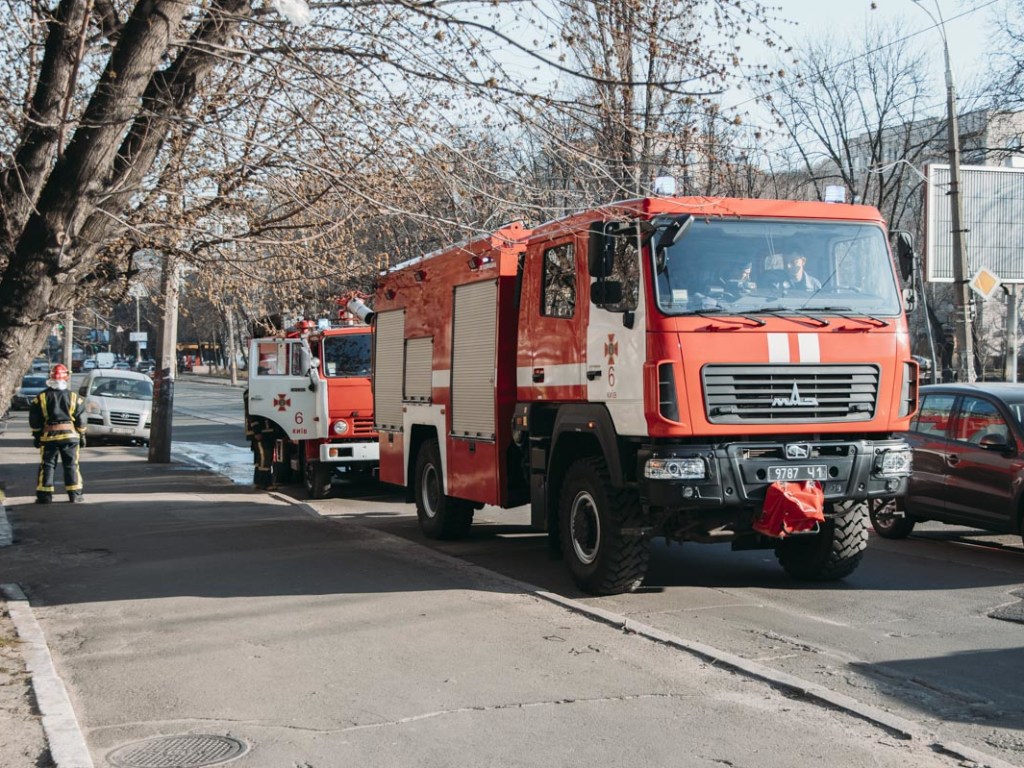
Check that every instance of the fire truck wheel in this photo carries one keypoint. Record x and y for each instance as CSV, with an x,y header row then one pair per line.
x,y
316,476
832,553
441,516
591,513
888,523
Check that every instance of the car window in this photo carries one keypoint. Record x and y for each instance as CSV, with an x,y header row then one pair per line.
x,y
979,418
124,388
934,415
33,381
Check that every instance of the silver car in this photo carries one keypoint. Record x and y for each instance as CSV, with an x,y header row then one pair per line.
x,y
31,385
118,405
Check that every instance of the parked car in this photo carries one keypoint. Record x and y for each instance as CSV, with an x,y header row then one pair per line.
x,y
118,405
146,366
31,385
122,365
89,364
968,444
41,364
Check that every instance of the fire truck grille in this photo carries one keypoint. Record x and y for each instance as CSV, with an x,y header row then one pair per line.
x,y
790,394
363,427
124,419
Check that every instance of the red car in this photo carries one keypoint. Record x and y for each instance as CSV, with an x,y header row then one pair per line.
x,y
968,444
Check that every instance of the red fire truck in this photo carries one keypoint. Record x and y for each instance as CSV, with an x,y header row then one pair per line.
x,y
653,368
313,383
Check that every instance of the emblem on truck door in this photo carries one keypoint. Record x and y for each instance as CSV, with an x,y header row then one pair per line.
x,y
611,348
793,400
282,401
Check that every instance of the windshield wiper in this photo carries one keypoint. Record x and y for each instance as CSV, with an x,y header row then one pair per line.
x,y
822,322
849,314
709,311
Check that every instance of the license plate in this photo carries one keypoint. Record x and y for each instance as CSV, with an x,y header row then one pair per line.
x,y
798,472
122,431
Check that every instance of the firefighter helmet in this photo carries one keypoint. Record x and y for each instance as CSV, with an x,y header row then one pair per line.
x,y
59,373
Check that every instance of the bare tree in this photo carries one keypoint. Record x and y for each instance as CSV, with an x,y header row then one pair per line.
x,y
137,126
858,112
653,105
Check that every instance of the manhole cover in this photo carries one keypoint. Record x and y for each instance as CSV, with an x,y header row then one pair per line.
x,y
192,751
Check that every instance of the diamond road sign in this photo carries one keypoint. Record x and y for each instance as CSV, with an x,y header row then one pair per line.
x,y
985,283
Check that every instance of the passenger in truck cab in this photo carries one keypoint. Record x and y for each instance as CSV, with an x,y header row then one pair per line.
x,y
799,279
732,281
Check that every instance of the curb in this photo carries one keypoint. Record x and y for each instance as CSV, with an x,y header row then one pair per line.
x,y
6,534
63,734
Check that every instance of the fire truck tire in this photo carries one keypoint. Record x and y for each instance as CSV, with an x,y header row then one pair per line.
x,y
316,477
887,523
440,516
591,514
832,553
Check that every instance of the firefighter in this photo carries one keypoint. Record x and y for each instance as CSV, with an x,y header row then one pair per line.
x,y
260,433
57,419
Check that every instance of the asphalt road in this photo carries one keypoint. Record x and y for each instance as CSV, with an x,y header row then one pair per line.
x,y
931,628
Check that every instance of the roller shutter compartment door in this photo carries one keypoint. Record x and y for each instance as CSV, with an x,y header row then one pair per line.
x,y
473,360
388,361
419,358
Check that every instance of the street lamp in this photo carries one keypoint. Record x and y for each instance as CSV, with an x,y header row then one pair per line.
x,y
961,292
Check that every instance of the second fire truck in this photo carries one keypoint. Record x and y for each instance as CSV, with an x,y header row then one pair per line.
x,y
654,368
313,383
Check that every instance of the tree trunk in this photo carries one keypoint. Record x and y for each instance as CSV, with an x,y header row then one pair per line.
x,y
91,183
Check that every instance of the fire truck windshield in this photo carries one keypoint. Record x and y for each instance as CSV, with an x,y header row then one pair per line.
x,y
346,356
770,266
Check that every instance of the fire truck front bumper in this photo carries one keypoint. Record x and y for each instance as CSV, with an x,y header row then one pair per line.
x,y
738,474
362,452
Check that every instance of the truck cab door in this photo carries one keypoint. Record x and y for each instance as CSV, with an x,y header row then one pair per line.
x,y
616,340
281,387
550,363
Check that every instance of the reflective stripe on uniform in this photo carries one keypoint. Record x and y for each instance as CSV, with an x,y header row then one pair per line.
x,y
39,480
77,486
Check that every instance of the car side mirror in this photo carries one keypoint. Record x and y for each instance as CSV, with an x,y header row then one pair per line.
x,y
995,442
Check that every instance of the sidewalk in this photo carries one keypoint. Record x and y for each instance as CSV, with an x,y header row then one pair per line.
x,y
181,608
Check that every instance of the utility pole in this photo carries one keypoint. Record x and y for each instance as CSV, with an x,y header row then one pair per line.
x,y
962,291
962,300
69,339
163,382
232,363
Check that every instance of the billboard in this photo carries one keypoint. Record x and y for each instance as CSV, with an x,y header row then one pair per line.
x,y
993,206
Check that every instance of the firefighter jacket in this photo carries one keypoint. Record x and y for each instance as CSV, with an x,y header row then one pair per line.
x,y
57,414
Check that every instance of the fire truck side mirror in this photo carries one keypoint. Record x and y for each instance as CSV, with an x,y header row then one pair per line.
x,y
910,299
905,253
314,368
600,251
606,292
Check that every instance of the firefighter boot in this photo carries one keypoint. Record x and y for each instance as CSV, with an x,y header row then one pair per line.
x,y
75,497
43,498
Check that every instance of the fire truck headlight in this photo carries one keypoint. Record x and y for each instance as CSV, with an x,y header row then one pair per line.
x,y
899,461
340,427
675,469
